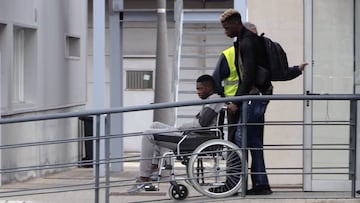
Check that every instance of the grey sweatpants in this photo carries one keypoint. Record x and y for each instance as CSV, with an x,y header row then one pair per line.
x,y
150,148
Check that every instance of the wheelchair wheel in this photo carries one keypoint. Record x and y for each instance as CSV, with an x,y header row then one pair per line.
x,y
214,169
178,192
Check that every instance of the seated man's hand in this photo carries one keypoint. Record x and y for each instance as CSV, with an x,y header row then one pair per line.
x,y
232,108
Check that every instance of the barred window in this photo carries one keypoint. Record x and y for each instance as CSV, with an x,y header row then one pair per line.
x,y
138,80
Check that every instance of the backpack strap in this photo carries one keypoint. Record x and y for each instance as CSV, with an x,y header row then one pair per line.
x,y
253,90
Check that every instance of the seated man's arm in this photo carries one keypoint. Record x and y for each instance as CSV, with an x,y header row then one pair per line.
x,y
202,119
206,117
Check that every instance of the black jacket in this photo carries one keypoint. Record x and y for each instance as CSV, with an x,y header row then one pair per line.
x,y
253,54
222,71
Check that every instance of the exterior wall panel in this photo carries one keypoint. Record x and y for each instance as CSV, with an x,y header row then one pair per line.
x,y
58,83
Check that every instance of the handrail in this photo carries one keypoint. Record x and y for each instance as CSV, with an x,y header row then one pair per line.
x,y
180,104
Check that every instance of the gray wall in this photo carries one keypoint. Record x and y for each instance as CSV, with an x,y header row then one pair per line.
x,y
54,81
51,21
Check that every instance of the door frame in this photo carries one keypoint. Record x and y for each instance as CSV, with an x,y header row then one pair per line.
x,y
307,129
309,184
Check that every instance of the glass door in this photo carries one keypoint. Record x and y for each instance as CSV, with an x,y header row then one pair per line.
x,y
329,45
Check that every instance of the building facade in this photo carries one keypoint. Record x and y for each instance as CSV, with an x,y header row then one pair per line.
x,y
47,67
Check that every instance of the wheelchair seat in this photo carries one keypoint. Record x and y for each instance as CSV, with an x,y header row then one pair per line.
x,y
192,138
189,141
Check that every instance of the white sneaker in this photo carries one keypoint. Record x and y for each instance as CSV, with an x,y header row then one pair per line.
x,y
139,185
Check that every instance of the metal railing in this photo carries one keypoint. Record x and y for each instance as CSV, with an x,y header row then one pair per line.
x,y
107,160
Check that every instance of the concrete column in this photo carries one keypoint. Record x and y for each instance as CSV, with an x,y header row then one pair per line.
x,y
99,69
116,78
163,74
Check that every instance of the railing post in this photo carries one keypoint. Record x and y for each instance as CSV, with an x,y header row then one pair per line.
x,y
107,158
97,158
244,167
353,145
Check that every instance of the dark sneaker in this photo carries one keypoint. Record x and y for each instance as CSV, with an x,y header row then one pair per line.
x,y
260,190
225,186
219,189
222,189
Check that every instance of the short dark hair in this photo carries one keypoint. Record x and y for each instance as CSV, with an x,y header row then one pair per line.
x,y
207,79
231,16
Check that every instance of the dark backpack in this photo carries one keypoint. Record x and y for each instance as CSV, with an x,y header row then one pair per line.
x,y
276,59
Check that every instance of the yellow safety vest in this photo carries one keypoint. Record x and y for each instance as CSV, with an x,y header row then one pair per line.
x,y
231,82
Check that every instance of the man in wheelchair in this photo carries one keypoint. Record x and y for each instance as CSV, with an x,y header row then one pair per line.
x,y
161,135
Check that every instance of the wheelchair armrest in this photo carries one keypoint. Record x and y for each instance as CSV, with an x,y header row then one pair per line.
x,y
179,143
218,132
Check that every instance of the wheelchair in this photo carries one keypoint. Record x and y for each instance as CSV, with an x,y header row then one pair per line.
x,y
213,165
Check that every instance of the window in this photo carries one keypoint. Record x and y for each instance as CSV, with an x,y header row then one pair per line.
x,y
18,71
24,65
2,66
72,48
138,80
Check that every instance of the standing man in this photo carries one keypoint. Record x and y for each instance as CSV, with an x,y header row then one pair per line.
x,y
240,80
226,76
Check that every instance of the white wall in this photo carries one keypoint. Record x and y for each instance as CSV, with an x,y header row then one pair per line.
x,y
282,21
